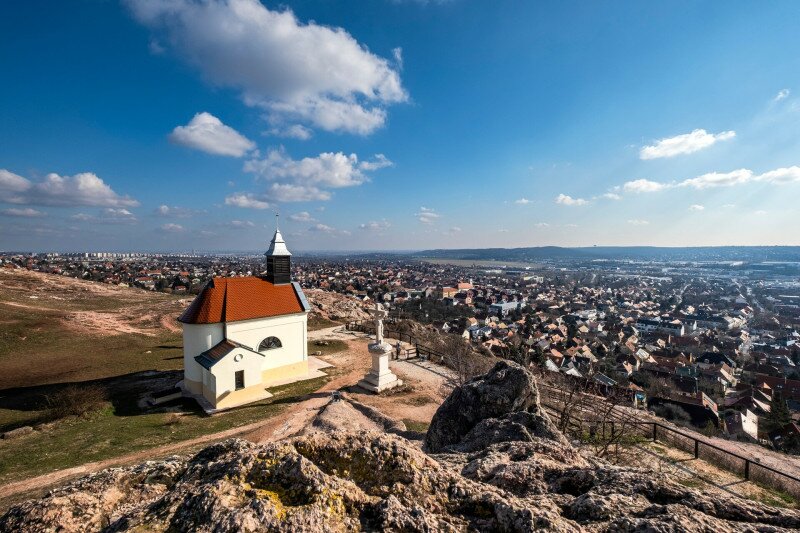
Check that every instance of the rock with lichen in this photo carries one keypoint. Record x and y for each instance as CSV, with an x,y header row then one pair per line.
x,y
507,469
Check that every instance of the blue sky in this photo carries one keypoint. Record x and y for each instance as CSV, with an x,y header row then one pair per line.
x,y
389,124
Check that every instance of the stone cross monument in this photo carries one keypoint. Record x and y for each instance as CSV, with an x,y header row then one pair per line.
x,y
379,378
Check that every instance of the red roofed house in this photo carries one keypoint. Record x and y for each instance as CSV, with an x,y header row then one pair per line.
x,y
241,335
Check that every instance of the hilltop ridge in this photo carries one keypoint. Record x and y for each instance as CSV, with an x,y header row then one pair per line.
x,y
503,466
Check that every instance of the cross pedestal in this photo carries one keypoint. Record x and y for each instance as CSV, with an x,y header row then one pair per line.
x,y
379,378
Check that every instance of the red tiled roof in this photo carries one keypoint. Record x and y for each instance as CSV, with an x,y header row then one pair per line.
x,y
232,299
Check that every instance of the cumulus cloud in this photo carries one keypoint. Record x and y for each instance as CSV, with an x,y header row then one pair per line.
x,y
302,216
207,133
564,199
308,178
712,180
427,215
637,222
246,200
378,163
683,144
109,215
782,95
610,196
643,185
522,201
542,225
84,189
718,179
298,73
696,207
239,224
172,228
327,230
287,192
293,131
173,211
780,175
453,231
376,225
26,212
328,169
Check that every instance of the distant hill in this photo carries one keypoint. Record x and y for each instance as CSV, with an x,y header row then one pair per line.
x,y
654,253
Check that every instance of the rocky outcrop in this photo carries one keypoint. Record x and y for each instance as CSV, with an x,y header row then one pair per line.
x,y
504,402
335,306
506,469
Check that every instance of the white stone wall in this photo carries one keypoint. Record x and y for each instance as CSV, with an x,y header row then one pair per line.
x,y
197,338
290,329
225,371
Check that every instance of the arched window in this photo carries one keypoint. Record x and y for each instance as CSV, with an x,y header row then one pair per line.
x,y
270,343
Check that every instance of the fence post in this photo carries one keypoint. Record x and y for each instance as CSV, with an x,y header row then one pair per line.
x,y
747,469
696,449
655,434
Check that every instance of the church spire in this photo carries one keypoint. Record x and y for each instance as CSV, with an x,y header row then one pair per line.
x,y
279,268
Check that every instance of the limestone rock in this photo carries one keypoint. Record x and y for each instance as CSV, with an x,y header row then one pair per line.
x,y
508,469
505,389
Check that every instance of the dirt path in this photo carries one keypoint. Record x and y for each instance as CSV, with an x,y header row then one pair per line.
x,y
350,366
286,423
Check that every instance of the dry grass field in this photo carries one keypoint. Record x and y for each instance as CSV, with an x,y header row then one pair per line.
x,y
100,349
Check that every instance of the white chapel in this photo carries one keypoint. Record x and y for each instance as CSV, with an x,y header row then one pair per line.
x,y
241,335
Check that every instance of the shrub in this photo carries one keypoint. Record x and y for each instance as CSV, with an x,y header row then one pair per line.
x,y
75,400
672,413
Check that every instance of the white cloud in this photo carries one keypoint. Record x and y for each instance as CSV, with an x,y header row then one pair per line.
x,y
117,215
322,228
780,175
711,180
782,94
172,228
380,162
238,224
376,225
719,179
611,196
308,178
84,189
10,182
453,231
542,225
759,213
293,131
246,200
26,212
427,216
207,133
82,217
643,185
564,199
173,211
286,192
302,216
637,222
696,207
522,201
683,144
328,169
298,73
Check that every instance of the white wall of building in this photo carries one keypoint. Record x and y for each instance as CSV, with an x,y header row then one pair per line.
x,y
197,338
225,371
290,329
750,423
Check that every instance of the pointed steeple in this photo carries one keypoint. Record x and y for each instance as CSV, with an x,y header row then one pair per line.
x,y
277,246
278,259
